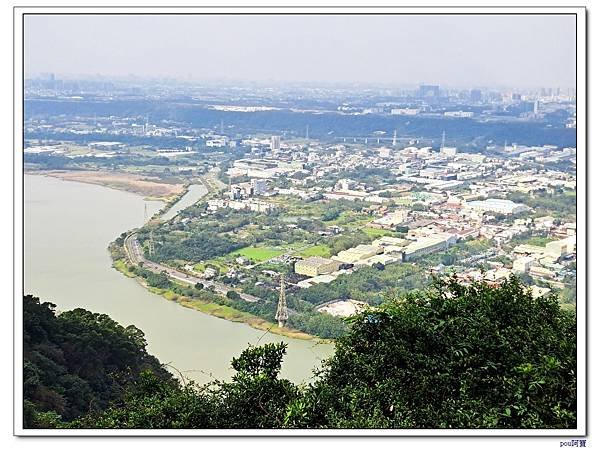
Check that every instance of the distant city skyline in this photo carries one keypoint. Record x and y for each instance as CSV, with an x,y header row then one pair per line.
x,y
523,51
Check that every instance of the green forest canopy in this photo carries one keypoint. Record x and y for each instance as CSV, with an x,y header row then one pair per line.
x,y
452,356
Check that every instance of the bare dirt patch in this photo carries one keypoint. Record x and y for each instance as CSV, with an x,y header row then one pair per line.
x,y
138,184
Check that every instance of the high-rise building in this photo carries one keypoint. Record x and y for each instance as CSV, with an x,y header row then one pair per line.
x,y
427,90
476,95
275,142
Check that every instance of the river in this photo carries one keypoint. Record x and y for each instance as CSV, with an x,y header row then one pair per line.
x,y
68,226
195,192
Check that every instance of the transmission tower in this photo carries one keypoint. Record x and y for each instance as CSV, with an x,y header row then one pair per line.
x,y
282,312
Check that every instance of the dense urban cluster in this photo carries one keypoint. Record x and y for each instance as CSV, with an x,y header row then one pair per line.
x,y
357,195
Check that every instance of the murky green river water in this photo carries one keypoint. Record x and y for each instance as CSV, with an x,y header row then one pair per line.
x,y
68,227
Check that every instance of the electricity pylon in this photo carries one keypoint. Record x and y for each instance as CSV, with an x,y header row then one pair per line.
x,y
282,312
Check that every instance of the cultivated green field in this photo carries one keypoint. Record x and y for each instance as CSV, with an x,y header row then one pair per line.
x,y
539,240
215,262
377,232
258,254
317,250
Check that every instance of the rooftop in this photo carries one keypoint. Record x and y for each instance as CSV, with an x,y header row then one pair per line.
x,y
315,261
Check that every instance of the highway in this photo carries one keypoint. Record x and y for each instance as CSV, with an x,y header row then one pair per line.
x,y
135,255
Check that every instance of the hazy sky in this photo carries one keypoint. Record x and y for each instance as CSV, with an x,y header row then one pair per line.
x,y
527,51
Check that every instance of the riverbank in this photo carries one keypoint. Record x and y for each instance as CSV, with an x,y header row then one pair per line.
x,y
216,309
191,194
131,183
206,306
68,226
152,188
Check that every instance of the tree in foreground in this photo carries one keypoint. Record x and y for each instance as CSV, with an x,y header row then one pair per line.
x,y
254,398
453,356
77,362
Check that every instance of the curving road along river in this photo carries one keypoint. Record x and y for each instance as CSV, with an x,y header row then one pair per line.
x,y
136,256
67,229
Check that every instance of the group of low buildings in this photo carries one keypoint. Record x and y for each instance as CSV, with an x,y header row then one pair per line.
x,y
382,251
543,262
496,205
255,187
461,196
244,204
263,168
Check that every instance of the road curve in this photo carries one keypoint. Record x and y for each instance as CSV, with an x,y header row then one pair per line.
x,y
135,255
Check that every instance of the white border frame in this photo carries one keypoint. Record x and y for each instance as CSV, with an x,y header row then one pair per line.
x,y
581,103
